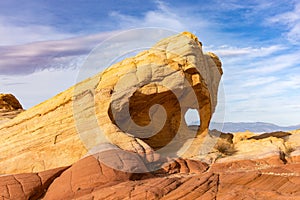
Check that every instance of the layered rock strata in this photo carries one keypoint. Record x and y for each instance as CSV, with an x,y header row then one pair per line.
x,y
137,104
180,179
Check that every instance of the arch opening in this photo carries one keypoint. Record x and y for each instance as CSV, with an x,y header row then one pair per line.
x,y
192,119
143,112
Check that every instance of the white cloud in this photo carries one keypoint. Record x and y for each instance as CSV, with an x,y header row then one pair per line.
x,y
167,17
162,17
258,81
34,88
275,63
261,84
27,58
230,51
291,20
12,34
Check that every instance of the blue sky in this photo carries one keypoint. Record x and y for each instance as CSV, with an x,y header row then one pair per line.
x,y
43,44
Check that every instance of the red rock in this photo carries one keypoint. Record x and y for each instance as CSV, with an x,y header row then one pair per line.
x,y
90,178
27,186
185,166
254,185
87,174
246,165
294,159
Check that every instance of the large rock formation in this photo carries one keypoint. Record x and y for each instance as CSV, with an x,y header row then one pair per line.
x,y
137,104
119,109
10,107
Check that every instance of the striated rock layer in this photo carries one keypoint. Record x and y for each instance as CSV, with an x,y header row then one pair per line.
x,y
181,179
118,106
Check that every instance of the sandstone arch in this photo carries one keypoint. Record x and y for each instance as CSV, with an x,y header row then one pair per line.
x,y
173,73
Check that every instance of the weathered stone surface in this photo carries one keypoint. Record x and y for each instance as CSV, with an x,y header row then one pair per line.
x,y
266,178
174,73
252,149
9,102
258,185
267,149
89,178
27,186
278,134
279,146
181,179
10,107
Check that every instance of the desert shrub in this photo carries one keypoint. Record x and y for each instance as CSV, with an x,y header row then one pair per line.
x,y
288,150
244,137
225,148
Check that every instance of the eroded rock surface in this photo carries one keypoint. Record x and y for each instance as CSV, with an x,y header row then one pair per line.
x,y
27,186
10,107
118,106
278,134
181,179
9,102
280,146
230,177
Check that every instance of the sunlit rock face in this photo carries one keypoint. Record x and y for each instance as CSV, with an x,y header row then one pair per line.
x,y
9,102
137,105
10,107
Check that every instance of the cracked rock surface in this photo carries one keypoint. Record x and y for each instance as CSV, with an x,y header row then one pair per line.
x,y
181,179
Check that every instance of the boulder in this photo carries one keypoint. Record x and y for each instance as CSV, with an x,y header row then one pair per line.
x,y
10,107
9,102
278,134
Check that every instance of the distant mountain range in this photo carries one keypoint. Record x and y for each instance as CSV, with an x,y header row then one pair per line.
x,y
256,127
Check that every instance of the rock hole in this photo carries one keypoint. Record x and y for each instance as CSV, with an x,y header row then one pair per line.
x,y
192,117
140,105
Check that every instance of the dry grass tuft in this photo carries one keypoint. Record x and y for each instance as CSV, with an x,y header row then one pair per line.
x,y
288,150
225,148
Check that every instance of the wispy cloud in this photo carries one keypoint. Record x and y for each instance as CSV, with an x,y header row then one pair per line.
x,y
28,58
258,81
160,17
291,20
275,63
167,16
32,89
15,34
229,51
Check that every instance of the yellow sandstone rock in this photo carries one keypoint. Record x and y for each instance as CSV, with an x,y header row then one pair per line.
x,y
9,102
10,107
137,104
